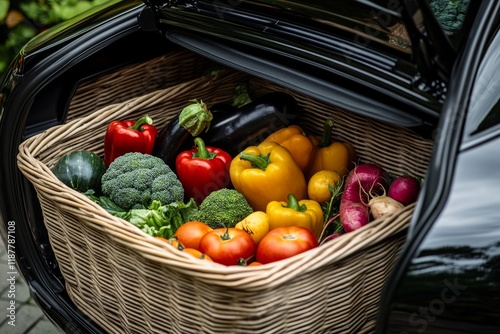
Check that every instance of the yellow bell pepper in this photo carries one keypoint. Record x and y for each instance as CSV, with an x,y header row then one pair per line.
x,y
305,213
335,156
295,140
266,173
256,224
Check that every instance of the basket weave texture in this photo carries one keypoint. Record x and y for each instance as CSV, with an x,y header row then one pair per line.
x,y
129,282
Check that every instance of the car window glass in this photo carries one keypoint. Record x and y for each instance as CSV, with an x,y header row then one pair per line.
x,y
484,109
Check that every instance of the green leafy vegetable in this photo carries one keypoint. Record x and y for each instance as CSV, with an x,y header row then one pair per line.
x,y
156,220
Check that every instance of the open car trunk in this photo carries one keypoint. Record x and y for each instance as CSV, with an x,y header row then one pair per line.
x,y
127,281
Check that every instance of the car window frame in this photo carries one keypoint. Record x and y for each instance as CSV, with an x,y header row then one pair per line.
x,y
490,85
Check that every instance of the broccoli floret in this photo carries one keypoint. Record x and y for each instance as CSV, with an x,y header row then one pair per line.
x,y
134,180
223,208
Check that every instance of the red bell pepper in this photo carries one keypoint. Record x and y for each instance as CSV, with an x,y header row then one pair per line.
x,y
129,136
202,170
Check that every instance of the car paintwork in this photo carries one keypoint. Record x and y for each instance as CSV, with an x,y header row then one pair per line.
x,y
447,278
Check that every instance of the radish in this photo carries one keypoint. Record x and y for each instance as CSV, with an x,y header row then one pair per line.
x,y
383,205
363,182
404,189
331,237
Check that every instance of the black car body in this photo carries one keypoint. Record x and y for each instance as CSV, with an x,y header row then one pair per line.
x,y
389,60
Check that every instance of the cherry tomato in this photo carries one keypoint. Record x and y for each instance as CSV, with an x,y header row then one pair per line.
x,y
197,254
284,242
254,264
172,242
190,233
227,245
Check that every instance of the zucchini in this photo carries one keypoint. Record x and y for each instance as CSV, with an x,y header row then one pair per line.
x,y
231,129
80,170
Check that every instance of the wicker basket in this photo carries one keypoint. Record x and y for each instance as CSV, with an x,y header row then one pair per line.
x,y
128,282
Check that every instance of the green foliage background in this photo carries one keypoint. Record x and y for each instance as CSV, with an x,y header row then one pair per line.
x,y
23,19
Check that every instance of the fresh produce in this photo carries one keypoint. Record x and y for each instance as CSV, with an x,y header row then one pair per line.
x,y
202,170
227,245
256,224
267,173
158,220
223,208
134,180
107,204
190,233
197,254
80,170
284,242
404,189
363,180
254,264
231,129
195,118
331,221
295,140
305,213
129,136
383,205
244,263
331,237
172,242
319,185
331,155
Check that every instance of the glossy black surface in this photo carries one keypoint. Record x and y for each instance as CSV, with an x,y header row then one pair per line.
x,y
449,266
357,45
453,283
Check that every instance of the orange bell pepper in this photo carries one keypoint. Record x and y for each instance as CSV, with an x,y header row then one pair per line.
x,y
295,140
339,157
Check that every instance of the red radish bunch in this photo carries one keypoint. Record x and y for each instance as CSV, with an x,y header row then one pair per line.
x,y
363,180
365,195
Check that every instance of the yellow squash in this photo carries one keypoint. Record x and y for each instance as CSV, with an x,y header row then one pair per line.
x,y
256,224
305,213
266,173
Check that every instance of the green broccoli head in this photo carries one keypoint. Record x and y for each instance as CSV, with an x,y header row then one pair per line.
x,y
134,180
223,208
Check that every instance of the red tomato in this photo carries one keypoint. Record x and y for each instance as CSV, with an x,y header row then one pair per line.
x,y
197,254
227,246
190,233
284,242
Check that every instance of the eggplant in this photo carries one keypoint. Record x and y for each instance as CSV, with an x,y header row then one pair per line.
x,y
231,129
